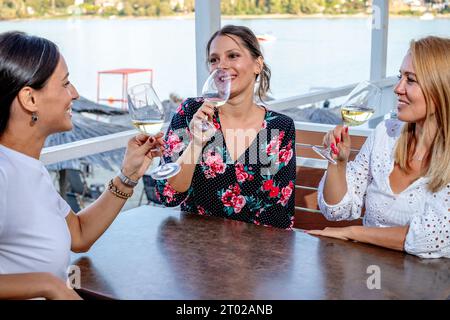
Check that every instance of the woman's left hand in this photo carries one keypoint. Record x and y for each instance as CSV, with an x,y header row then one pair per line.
x,y
140,153
338,233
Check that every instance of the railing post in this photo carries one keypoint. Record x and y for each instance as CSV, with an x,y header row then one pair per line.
x,y
207,21
378,57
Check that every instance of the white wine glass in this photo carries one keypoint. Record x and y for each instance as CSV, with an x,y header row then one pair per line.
x,y
216,91
358,107
148,116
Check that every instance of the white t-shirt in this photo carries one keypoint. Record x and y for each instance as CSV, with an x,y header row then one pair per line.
x,y
34,236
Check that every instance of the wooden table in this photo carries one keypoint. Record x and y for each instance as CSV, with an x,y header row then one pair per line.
x,y
160,253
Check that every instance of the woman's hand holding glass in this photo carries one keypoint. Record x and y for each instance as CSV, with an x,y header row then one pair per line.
x,y
149,115
139,154
339,142
358,108
204,114
215,92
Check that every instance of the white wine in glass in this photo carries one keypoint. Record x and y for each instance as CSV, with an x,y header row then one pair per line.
x,y
214,99
148,116
355,116
358,108
150,127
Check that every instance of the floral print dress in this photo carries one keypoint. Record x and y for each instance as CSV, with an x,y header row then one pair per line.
x,y
259,187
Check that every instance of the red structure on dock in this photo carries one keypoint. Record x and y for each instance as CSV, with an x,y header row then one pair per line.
x,y
125,73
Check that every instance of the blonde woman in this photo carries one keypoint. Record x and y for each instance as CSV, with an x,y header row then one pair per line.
x,y
402,173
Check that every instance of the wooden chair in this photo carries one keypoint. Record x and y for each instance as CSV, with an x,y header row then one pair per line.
x,y
307,213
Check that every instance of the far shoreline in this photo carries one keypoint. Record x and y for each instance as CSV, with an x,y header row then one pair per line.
x,y
224,17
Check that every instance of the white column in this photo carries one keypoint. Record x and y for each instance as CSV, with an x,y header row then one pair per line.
x,y
378,58
207,21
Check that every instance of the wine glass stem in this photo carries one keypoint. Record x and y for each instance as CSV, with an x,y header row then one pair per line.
x,y
161,158
161,161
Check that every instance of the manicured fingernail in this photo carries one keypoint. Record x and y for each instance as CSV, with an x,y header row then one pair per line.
x,y
337,140
346,129
334,149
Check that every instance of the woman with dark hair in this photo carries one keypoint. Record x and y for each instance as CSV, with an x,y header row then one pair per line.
x,y
246,170
37,227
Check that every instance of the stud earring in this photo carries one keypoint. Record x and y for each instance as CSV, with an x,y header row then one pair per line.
x,y
34,118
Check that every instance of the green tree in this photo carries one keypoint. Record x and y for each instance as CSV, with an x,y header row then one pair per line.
x,y
89,9
260,6
11,9
252,7
242,7
308,6
63,4
127,9
39,6
189,5
7,10
151,11
293,7
274,6
226,7
164,8
331,6
110,11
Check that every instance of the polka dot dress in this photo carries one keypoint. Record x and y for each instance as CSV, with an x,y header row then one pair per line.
x,y
256,188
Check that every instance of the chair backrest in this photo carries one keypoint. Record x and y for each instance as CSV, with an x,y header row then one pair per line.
x,y
307,213
149,188
76,183
72,200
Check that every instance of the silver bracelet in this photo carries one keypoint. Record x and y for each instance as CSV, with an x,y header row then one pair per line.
x,y
126,181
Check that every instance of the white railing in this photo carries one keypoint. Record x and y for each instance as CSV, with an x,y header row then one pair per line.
x,y
86,147
110,142
387,102
318,127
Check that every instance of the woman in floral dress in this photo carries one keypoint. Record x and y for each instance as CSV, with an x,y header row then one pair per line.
x,y
246,170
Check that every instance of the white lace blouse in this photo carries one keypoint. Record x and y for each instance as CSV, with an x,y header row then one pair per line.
x,y
426,213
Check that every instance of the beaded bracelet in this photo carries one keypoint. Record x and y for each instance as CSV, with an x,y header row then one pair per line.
x,y
115,191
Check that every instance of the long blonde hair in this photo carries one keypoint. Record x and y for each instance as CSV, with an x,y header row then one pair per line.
x,y
431,61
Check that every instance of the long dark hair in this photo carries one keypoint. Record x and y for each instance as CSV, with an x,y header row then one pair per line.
x,y
25,61
251,43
